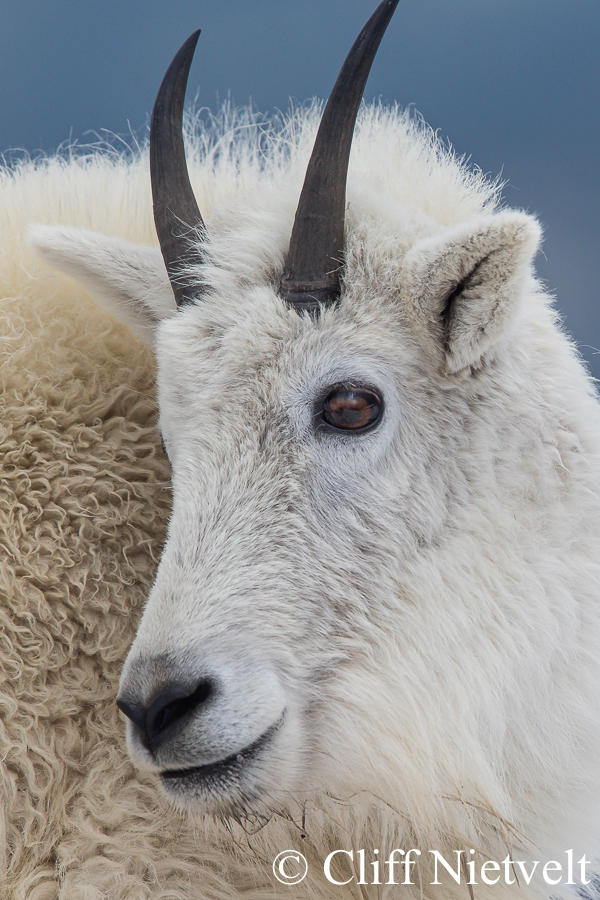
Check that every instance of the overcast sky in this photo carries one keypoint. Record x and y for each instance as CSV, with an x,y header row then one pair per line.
x,y
514,84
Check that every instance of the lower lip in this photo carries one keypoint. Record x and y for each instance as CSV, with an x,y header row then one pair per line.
x,y
224,770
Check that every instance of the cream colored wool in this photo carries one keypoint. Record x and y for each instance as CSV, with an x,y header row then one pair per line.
x,y
462,704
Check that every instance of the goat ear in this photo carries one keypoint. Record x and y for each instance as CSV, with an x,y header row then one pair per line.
x,y
130,280
466,285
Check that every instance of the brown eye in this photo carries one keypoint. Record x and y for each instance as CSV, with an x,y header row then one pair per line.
x,y
352,410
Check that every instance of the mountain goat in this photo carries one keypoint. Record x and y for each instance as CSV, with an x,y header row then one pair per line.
x,y
372,638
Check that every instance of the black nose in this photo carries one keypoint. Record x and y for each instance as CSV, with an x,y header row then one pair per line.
x,y
167,713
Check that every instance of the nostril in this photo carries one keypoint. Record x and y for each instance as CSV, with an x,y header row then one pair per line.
x,y
173,706
168,711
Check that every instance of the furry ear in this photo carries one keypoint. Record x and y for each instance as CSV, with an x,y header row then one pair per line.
x,y
466,285
128,279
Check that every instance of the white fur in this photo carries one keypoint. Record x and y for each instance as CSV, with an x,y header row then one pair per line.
x,y
420,602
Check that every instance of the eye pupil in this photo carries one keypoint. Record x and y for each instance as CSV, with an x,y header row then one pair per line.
x,y
352,410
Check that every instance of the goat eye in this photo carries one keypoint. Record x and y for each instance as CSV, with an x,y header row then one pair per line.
x,y
352,410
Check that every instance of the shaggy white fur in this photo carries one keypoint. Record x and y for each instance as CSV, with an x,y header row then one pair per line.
x,y
422,601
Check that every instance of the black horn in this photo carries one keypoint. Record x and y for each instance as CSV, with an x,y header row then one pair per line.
x,y
312,270
176,214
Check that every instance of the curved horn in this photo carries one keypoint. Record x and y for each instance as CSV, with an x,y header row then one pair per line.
x,y
176,214
312,269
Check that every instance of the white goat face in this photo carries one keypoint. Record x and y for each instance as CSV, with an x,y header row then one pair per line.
x,y
281,622
277,544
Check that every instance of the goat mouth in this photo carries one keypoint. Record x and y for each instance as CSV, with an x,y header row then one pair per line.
x,y
224,774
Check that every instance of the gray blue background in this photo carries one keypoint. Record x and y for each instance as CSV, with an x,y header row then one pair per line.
x,y
514,84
